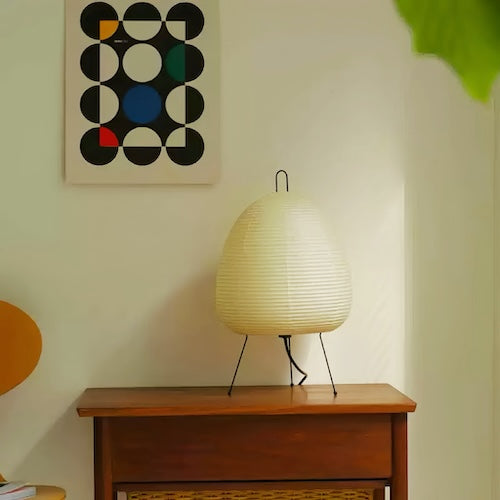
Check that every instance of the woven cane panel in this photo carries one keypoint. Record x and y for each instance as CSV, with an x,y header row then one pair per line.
x,y
253,495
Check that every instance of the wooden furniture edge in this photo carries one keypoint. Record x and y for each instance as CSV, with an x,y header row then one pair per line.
x,y
367,484
183,401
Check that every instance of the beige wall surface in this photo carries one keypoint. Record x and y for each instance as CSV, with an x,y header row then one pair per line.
x,y
121,279
496,364
450,311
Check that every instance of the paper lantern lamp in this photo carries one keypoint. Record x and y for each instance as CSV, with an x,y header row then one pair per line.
x,y
281,273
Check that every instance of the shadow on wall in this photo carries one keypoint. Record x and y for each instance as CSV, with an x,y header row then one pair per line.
x,y
449,304
69,441
183,343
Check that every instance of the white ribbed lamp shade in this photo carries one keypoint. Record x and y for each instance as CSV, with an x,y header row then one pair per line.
x,y
280,273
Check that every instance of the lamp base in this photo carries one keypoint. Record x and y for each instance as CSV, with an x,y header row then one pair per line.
x,y
287,341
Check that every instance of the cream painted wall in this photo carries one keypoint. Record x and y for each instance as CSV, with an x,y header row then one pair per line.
x,y
450,313
496,364
120,279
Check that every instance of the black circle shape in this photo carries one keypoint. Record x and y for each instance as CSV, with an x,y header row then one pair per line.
x,y
90,62
93,152
142,11
194,104
93,14
89,104
191,15
191,152
142,155
194,62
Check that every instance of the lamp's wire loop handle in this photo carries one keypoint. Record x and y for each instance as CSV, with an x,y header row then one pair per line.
x,y
276,179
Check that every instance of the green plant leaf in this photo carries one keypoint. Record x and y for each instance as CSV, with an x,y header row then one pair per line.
x,y
464,33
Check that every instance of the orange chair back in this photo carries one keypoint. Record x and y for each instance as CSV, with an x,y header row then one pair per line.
x,y
20,346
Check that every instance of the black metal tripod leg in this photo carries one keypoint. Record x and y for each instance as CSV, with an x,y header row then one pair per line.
x,y
237,366
327,364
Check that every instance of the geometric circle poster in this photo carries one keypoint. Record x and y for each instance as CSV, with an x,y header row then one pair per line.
x,y
142,92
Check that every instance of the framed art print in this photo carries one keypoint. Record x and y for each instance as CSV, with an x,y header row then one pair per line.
x,y
142,92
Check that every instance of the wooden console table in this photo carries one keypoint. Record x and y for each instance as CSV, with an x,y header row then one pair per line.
x,y
278,436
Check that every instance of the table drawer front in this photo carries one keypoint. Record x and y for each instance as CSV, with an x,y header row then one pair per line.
x,y
239,448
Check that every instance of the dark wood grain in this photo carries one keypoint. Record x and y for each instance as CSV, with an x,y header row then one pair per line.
x,y
399,481
251,448
259,438
271,400
103,481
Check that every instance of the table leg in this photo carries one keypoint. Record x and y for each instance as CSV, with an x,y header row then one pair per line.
x,y
399,481
103,482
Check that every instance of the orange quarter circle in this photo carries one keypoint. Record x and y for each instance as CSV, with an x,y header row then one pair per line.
x,y
20,346
107,28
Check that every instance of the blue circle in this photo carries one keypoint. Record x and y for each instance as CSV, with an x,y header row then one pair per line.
x,y
142,104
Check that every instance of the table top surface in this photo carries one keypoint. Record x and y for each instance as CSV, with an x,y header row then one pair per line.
x,y
245,400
